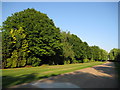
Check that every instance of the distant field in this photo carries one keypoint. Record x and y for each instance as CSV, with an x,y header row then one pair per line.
x,y
17,76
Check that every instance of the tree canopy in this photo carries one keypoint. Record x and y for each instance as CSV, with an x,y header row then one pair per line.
x,y
31,38
114,54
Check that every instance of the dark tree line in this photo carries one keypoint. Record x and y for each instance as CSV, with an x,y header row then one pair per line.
x,y
30,37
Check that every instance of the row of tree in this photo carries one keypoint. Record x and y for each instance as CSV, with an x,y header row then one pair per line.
x,y
30,37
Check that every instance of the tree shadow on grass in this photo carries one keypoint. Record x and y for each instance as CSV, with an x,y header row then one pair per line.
x,y
8,81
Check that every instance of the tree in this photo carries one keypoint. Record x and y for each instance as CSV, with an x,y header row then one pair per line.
x,y
20,48
104,54
68,53
42,35
117,58
76,44
95,52
7,47
31,38
113,53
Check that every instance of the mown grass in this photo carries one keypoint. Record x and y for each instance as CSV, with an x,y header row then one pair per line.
x,y
17,76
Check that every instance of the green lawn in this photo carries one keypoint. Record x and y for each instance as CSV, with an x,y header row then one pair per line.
x,y
17,76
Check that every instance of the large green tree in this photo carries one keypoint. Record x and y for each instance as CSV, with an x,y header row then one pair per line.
x,y
42,35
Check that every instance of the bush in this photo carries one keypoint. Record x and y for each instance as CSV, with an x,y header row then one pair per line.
x,y
75,61
67,62
35,61
85,60
92,60
12,62
79,61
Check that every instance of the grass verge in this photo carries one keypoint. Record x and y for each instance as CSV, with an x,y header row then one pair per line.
x,y
15,76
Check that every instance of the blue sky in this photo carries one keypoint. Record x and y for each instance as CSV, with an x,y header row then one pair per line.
x,y
94,22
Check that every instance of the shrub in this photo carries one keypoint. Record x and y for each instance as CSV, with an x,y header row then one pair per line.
x,y
74,61
92,60
35,61
67,62
85,60
79,61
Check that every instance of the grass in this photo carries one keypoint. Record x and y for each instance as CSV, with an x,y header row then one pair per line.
x,y
17,76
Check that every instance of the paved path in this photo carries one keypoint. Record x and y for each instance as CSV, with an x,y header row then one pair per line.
x,y
100,76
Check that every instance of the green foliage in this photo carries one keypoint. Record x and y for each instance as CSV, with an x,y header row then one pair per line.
x,y
30,38
7,47
95,52
75,61
78,47
12,62
98,53
114,54
92,60
68,53
66,62
35,61
104,55
85,60
42,38
19,45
